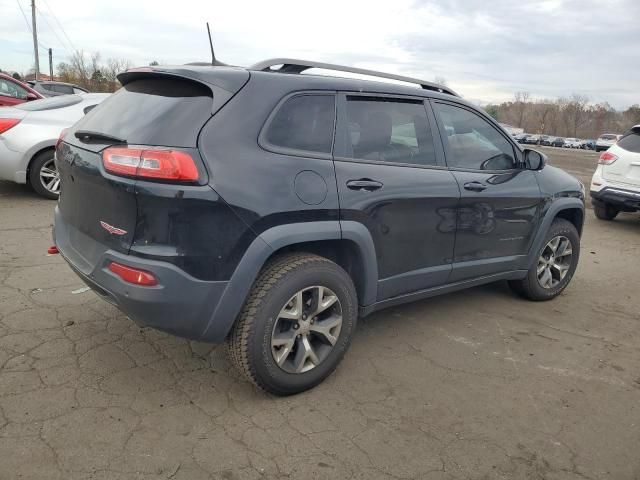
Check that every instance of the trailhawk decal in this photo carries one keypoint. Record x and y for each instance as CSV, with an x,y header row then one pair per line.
x,y
111,229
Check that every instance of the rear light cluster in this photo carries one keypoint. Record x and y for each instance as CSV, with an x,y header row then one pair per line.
x,y
607,158
154,164
133,275
7,123
60,137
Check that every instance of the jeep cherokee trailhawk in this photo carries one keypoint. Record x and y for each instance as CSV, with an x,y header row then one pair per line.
x,y
270,209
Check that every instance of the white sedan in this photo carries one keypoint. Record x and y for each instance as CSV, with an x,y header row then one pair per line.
x,y
28,135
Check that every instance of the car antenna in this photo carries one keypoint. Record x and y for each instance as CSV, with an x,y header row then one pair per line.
x,y
213,55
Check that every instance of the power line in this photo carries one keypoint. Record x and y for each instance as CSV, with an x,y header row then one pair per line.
x,y
29,25
62,44
60,25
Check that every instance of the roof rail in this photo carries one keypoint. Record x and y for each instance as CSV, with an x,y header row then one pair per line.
x,y
291,65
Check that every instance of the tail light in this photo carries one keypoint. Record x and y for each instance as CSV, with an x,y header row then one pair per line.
x,y
7,123
60,137
133,275
155,164
607,158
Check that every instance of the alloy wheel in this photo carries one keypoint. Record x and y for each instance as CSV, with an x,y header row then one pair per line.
x,y
554,262
306,330
50,177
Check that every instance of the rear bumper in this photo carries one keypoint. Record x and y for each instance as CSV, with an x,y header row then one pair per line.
x,y
11,164
624,199
180,304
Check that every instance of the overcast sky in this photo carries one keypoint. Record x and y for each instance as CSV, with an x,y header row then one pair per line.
x,y
486,50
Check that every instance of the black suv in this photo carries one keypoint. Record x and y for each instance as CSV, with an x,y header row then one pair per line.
x,y
271,209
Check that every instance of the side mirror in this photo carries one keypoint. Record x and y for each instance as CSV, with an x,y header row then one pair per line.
x,y
31,96
534,160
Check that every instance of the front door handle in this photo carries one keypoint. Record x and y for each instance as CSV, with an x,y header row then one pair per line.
x,y
365,184
475,186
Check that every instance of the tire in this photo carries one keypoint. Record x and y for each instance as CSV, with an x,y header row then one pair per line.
x,y
35,170
251,342
530,287
605,211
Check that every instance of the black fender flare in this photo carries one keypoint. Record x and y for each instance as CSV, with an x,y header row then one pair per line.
x,y
273,239
556,207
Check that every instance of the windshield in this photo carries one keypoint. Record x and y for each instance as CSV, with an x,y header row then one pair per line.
x,y
608,137
153,111
50,103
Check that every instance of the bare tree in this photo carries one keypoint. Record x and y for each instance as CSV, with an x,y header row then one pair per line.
x,y
521,101
576,113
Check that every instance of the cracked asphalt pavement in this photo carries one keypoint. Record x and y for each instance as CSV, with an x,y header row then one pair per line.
x,y
476,384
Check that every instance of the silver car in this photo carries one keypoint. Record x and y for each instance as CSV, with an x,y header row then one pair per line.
x,y
28,135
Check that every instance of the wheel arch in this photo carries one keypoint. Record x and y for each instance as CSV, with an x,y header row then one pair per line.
x,y
37,151
348,244
568,208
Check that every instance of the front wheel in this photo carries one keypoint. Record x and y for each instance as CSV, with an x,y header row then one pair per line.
x,y
555,265
296,325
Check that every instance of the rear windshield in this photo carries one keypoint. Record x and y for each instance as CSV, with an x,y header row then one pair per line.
x,y
153,111
630,142
50,103
608,137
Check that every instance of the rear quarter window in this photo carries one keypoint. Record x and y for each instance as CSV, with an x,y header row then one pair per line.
x,y
302,123
154,111
630,142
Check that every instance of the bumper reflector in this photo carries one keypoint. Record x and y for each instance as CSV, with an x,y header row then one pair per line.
x,y
133,275
52,250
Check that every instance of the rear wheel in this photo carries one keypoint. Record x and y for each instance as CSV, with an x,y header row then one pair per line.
x,y
296,325
44,176
555,265
605,211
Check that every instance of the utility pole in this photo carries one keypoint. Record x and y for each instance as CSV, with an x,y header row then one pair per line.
x,y
51,64
35,36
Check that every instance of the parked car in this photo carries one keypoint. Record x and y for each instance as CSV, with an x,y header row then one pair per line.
x,y
605,140
615,186
571,143
28,135
521,137
53,89
253,226
558,142
546,141
588,144
14,92
533,140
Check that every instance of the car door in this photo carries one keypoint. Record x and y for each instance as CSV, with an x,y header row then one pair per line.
x,y
392,179
500,201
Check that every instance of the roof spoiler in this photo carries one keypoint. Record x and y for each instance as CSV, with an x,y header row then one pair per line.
x,y
291,65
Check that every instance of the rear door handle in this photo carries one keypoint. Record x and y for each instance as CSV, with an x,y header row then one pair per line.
x,y
475,186
365,184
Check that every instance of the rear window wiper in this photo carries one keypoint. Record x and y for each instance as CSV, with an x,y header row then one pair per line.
x,y
91,135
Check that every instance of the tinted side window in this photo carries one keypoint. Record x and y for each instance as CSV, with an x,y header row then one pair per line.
x,y
66,89
304,122
630,142
389,130
10,89
473,142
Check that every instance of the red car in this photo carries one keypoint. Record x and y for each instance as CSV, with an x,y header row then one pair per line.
x,y
13,92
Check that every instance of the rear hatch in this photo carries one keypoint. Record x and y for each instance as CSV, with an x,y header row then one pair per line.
x,y
154,111
626,169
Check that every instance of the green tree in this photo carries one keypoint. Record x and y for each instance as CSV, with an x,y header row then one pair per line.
x,y
17,76
492,110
